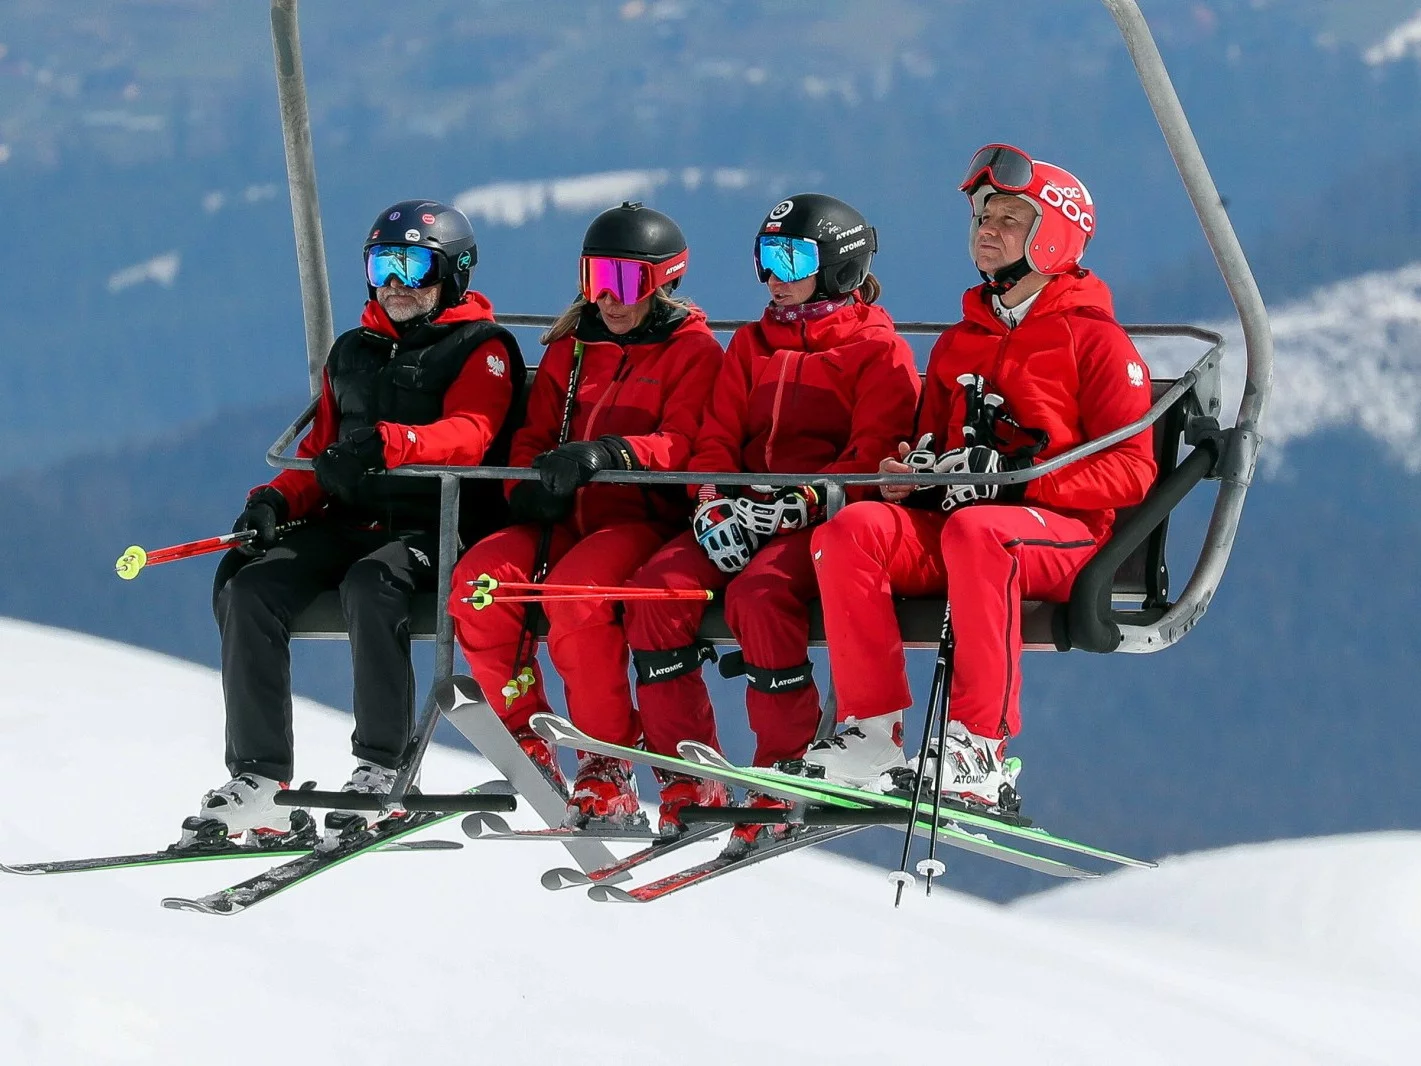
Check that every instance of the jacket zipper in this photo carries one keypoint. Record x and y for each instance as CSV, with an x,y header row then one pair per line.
x,y
775,416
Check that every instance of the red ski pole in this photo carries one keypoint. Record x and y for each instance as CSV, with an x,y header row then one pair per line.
x,y
486,583
482,598
135,558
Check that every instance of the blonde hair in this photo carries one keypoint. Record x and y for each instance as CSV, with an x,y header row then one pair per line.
x,y
566,322
870,290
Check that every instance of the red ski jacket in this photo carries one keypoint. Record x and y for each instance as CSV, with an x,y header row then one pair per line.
x,y
1069,369
651,394
830,395
474,408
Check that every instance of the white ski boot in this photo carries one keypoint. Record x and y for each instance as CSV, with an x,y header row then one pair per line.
x,y
247,802
860,752
977,770
367,779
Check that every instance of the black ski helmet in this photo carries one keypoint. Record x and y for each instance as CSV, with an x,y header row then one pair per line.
x,y
430,224
846,241
634,231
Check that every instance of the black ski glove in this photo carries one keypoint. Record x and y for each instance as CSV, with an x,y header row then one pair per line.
x,y
342,466
266,509
569,466
979,459
530,502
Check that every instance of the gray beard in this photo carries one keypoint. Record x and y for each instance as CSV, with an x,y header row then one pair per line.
x,y
424,301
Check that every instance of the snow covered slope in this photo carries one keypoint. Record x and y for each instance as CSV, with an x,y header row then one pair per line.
x,y
1299,952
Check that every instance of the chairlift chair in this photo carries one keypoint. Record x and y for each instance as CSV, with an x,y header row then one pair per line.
x,y
1120,601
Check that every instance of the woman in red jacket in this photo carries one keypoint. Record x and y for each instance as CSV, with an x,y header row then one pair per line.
x,y
1037,366
642,365
820,384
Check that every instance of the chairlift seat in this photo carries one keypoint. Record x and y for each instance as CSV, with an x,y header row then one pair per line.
x,y
1138,590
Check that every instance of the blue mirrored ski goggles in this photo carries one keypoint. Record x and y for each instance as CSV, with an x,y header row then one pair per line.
x,y
412,265
787,258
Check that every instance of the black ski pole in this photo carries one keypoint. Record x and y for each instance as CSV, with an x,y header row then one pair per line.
x,y
942,677
527,648
932,866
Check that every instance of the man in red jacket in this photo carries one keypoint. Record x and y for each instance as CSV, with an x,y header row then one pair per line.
x,y
1037,366
428,378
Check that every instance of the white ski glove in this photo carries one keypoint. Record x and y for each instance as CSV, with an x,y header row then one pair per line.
x,y
719,532
788,511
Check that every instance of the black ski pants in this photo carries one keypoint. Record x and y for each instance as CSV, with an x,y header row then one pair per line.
x,y
255,600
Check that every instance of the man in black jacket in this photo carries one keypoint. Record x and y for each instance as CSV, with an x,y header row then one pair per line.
x,y
427,378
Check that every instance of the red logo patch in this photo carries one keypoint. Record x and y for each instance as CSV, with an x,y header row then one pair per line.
x,y
428,220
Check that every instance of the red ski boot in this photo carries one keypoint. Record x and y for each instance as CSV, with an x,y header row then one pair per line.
x,y
605,790
543,756
746,838
679,790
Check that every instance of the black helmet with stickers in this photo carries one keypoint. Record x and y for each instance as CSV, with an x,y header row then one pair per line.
x,y
844,239
429,224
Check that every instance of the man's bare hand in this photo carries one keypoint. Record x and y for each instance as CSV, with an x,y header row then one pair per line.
x,y
895,493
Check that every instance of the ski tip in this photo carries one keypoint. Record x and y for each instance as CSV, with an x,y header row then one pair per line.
x,y
552,728
421,845
564,877
480,824
178,903
22,870
608,894
452,691
694,751
497,787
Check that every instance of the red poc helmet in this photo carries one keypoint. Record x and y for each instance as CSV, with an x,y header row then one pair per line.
x,y
1065,212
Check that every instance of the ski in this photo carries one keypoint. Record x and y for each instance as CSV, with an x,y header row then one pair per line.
x,y
564,877
716,867
201,841
170,854
800,791
384,835
461,702
708,758
492,827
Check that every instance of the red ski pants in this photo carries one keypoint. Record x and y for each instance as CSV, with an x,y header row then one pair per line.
x,y
766,608
585,640
991,557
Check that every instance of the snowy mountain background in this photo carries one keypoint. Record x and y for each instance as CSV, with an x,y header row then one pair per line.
x,y
1301,953
159,350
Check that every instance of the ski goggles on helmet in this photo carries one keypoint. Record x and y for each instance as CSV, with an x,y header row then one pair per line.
x,y
628,280
1004,167
412,265
787,258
